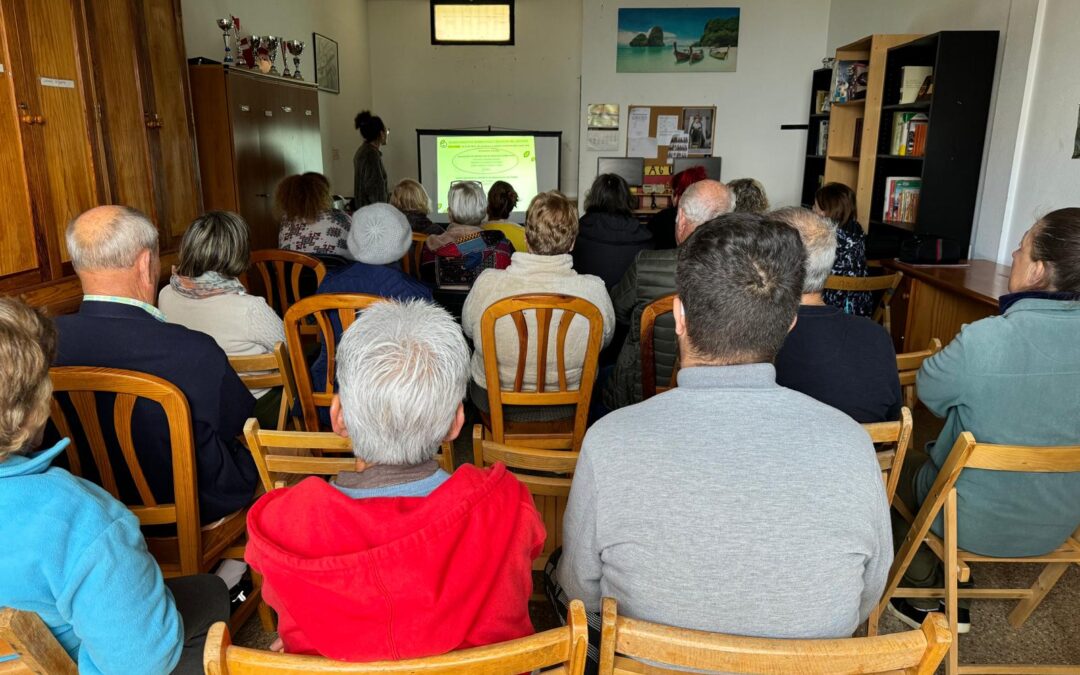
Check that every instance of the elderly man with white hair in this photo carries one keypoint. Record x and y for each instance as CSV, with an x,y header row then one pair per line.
x,y
398,559
455,258
842,360
652,276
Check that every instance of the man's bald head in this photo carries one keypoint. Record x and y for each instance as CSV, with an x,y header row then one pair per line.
x,y
110,238
702,201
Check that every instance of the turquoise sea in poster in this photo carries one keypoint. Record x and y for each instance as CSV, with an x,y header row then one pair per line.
x,y
693,39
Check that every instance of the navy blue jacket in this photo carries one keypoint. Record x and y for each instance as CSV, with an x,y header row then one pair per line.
x,y
113,335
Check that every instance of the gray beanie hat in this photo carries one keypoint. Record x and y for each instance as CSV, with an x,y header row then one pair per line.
x,y
380,234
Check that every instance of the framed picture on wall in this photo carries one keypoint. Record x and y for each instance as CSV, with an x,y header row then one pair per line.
x,y
327,72
699,124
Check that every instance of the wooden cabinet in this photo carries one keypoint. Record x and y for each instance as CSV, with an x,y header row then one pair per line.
x,y
253,130
94,109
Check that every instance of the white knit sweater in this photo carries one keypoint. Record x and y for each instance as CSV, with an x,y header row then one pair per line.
x,y
242,325
530,273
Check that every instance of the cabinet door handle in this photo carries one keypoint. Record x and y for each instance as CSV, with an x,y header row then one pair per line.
x,y
26,119
262,194
38,119
286,108
245,108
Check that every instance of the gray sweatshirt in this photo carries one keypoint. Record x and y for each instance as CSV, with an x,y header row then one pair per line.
x,y
729,504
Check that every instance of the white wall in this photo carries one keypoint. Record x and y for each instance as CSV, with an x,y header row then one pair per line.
x,y
342,20
850,20
780,43
530,85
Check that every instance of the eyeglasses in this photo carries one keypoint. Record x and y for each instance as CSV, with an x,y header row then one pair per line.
x,y
467,182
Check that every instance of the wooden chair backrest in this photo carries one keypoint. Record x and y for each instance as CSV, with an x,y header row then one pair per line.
x,y
265,371
280,454
280,273
908,364
891,460
319,308
410,262
25,635
564,648
649,315
625,641
549,491
543,307
886,284
81,385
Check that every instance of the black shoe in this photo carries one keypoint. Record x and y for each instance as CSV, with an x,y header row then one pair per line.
x,y
963,619
908,613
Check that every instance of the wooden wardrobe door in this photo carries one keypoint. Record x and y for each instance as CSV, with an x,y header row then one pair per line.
x,y
247,96
173,125
18,249
311,134
59,94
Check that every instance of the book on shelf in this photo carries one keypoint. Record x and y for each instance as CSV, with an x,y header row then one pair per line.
x,y
856,144
849,81
820,96
911,81
905,127
823,137
901,199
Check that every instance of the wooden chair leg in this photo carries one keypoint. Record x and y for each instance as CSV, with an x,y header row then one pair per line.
x,y
875,618
952,665
1050,575
478,445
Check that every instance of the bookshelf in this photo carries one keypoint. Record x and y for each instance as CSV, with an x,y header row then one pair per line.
x,y
841,162
814,164
958,108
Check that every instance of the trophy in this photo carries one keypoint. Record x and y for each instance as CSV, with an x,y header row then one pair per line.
x,y
250,50
295,48
226,26
272,49
284,46
262,53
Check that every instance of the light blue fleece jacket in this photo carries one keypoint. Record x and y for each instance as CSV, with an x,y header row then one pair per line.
x,y
75,556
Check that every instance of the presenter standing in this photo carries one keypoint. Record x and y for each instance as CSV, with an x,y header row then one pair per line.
x,y
369,174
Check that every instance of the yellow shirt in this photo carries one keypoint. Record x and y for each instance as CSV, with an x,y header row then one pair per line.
x,y
514,232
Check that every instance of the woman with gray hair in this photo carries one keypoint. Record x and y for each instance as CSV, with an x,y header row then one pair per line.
x,y
455,258
204,294
397,558
842,360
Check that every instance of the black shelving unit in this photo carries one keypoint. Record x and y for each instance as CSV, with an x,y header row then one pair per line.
x,y
958,110
814,163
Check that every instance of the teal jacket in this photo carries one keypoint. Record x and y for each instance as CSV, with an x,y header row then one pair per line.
x,y
75,556
1009,379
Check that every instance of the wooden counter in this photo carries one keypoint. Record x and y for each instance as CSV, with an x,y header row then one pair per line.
x,y
935,301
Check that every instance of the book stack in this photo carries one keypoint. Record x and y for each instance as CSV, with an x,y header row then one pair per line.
x,y
901,199
909,131
911,80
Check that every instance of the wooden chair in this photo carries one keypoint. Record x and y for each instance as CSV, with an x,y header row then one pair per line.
x,y
549,489
649,315
280,273
908,364
559,650
25,635
624,642
897,436
561,434
942,499
193,550
265,371
278,469
318,310
885,284
410,262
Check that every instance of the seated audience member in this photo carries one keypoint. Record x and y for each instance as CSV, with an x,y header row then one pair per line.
x,y
844,361
651,277
412,199
550,225
398,559
662,224
456,257
204,294
114,250
309,223
749,196
502,199
681,502
609,234
379,237
836,202
73,554
1008,379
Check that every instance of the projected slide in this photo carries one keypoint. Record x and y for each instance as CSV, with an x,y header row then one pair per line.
x,y
487,159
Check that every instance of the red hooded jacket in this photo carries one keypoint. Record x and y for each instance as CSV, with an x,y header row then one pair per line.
x,y
398,577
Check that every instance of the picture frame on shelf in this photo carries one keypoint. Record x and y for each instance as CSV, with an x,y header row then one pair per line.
x,y
327,66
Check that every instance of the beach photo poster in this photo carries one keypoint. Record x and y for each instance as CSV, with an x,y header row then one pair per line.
x,y
677,40
698,124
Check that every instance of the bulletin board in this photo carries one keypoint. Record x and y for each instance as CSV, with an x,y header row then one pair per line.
x,y
697,122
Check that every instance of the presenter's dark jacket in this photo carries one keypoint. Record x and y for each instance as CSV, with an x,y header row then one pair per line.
x,y
114,335
369,177
607,244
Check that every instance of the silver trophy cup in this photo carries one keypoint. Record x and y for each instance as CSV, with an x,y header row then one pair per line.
x,y
272,49
295,47
226,27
